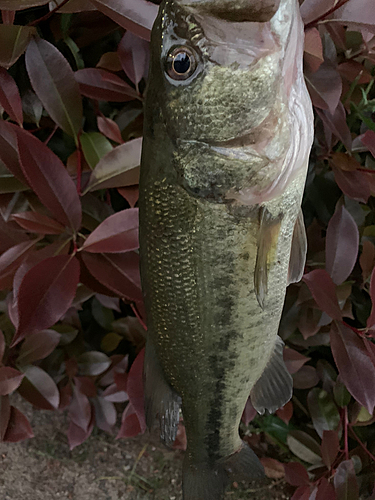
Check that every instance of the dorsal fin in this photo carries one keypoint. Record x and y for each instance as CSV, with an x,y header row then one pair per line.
x,y
298,251
267,240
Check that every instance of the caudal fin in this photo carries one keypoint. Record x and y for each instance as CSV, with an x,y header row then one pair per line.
x,y
208,482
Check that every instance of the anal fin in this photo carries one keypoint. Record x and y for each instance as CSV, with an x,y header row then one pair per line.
x,y
267,240
160,399
275,386
298,251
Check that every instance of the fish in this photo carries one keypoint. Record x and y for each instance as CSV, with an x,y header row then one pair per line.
x,y
228,128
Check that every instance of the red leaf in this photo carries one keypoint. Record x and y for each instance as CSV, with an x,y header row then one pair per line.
x,y
180,442
119,167
314,9
80,409
53,81
4,415
296,474
336,123
13,42
345,481
10,379
355,366
305,378
130,193
367,259
130,425
325,490
40,307
134,54
135,389
136,16
110,129
10,98
357,15
65,396
302,493
330,447
353,184
35,222
49,179
9,150
371,318
104,86
11,259
117,233
2,346
38,346
86,386
286,412
342,242
19,427
118,271
313,54
39,389
323,291
105,414
294,360
324,86
368,140
77,435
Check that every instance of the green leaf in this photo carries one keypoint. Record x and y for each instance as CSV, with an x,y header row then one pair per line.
x,y
341,394
94,147
13,42
67,333
345,481
304,447
323,411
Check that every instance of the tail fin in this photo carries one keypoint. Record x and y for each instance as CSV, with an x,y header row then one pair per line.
x,y
208,482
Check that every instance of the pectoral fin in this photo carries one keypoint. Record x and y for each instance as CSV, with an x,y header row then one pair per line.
x,y
160,399
267,242
275,386
298,251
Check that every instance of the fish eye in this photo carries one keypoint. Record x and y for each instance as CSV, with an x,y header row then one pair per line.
x,y
181,63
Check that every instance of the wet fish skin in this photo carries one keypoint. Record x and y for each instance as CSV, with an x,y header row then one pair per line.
x,y
220,192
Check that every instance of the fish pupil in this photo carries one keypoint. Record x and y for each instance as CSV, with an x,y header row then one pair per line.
x,y
181,63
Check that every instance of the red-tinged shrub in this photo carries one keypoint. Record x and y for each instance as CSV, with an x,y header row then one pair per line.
x,y
72,314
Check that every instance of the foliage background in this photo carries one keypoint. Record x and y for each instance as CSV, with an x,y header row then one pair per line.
x,y
72,79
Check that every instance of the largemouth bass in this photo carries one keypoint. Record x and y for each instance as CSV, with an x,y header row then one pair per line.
x,y
228,130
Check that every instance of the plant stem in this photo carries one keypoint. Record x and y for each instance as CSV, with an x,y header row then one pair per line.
x,y
79,168
47,16
361,444
323,16
346,447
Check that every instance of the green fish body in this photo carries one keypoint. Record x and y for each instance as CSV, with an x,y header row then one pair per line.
x,y
228,129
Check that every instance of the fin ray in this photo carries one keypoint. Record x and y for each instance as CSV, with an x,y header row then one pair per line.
x,y
208,482
275,386
160,399
298,251
268,234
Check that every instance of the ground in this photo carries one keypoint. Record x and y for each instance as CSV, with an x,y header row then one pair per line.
x,y
102,468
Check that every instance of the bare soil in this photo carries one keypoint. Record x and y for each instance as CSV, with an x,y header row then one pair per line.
x,y
102,468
